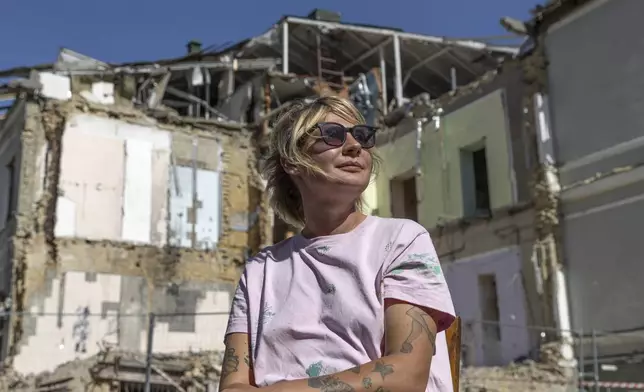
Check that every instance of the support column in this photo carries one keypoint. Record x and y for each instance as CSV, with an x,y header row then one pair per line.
x,y
285,47
383,80
398,77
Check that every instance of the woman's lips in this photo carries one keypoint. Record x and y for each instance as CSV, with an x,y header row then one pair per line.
x,y
350,167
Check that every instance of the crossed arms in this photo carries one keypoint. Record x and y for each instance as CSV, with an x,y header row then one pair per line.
x,y
410,338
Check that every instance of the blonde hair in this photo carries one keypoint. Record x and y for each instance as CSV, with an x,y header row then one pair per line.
x,y
290,142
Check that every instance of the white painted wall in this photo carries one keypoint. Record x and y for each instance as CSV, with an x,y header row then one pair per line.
x,y
462,278
115,181
54,341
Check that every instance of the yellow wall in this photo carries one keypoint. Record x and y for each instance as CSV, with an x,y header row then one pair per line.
x,y
439,187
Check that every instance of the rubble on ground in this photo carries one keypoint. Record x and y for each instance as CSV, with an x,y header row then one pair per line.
x,y
546,375
185,371
196,371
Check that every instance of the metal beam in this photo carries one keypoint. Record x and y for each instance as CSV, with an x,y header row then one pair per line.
x,y
398,87
417,57
236,64
189,97
463,64
383,77
424,62
415,80
285,50
368,53
468,44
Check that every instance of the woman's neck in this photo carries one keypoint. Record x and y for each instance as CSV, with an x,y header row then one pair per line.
x,y
323,221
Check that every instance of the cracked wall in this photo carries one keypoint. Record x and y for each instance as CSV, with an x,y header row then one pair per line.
x,y
120,214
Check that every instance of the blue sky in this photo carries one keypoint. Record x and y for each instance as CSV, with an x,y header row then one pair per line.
x,y
132,30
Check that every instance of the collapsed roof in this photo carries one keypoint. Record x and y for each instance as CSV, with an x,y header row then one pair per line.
x,y
380,68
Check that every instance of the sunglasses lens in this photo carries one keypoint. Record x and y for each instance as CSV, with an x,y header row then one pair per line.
x,y
333,134
364,135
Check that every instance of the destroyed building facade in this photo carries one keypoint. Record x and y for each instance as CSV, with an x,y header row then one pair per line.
x,y
87,251
109,214
462,166
592,135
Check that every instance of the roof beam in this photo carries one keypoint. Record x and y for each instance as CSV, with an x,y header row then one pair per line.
x,y
463,64
468,44
414,79
368,53
426,61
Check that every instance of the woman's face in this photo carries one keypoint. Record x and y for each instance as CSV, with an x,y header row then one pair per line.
x,y
348,166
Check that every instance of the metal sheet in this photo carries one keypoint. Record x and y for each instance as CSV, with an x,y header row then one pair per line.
x,y
205,219
209,214
137,192
180,203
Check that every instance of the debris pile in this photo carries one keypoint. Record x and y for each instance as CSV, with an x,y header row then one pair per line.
x,y
10,380
184,371
545,375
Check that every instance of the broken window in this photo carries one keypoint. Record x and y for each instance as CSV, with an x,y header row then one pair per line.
x,y
475,182
404,200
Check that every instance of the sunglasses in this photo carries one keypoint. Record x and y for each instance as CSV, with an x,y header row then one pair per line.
x,y
335,135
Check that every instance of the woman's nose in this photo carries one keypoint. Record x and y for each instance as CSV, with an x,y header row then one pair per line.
x,y
351,146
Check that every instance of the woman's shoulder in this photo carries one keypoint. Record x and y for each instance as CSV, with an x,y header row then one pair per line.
x,y
400,228
275,252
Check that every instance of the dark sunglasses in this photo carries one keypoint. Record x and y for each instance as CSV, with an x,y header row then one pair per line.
x,y
335,135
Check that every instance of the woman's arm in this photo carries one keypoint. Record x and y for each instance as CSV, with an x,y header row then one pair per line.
x,y
410,336
236,370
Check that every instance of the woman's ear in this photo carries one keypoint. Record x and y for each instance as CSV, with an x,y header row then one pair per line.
x,y
289,168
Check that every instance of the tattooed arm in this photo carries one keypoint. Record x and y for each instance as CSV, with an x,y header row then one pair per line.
x,y
410,334
236,370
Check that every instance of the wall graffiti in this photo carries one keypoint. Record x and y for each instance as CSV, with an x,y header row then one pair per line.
x,y
80,331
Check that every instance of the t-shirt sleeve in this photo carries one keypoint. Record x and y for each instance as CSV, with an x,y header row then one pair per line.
x,y
238,318
415,276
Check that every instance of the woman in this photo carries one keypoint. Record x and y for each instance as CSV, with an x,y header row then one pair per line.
x,y
354,302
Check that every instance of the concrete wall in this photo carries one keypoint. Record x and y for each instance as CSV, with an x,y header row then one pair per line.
x,y
123,216
604,254
595,90
439,189
462,277
596,96
85,312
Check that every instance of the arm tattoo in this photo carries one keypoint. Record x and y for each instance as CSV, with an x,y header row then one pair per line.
x,y
355,369
247,360
383,369
230,363
329,384
419,326
366,383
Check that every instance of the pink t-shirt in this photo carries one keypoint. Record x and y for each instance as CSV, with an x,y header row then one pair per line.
x,y
315,306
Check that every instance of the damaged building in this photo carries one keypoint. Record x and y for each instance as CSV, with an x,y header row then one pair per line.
x,y
591,128
110,212
132,188
459,167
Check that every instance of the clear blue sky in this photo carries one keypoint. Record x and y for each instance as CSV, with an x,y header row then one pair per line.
x,y
132,30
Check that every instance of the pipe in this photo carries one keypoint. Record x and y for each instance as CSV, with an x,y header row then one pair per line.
x,y
285,47
398,77
383,78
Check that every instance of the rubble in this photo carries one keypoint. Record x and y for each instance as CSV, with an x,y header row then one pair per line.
x,y
547,374
526,376
184,370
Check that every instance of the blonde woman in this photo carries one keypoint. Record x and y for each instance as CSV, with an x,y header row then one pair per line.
x,y
354,302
